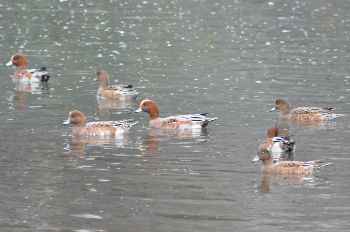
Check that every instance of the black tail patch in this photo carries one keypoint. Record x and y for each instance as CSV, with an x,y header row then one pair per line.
x,y
45,78
205,123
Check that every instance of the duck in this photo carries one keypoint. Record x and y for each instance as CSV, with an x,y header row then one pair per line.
x,y
304,114
177,122
107,91
280,146
25,75
100,128
288,167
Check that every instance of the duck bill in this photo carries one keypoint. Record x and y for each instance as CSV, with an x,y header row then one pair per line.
x,y
273,109
9,63
256,159
138,110
67,122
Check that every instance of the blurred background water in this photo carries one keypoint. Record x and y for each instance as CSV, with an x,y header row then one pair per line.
x,y
231,59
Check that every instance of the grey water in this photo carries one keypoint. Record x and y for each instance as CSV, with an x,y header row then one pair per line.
x,y
230,59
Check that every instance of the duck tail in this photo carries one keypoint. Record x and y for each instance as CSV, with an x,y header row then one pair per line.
x,y
128,123
289,144
317,164
44,77
205,123
207,118
133,123
212,119
333,116
322,164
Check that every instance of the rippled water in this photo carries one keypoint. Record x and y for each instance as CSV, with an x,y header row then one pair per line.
x,y
229,58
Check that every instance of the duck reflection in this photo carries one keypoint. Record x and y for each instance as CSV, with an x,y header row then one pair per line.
x,y
19,98
328,125
292,180
283,128
79,145
151,143
106,104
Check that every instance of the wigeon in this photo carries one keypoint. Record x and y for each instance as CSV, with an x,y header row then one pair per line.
x,y
23,74
102,128
114,91
288,167
179,122
278,145
301,114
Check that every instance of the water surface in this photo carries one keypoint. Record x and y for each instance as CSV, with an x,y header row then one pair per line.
x,y
231,59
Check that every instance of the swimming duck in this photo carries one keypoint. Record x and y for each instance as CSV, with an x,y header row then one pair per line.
x,y
287,167
102,128
23,74
114,91
179,122
277,144
304,113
